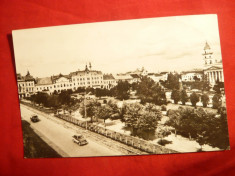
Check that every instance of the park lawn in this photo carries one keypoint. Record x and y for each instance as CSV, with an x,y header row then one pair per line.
x,y
179,143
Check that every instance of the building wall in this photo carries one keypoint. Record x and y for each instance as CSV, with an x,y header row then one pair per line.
x,y
25,88
190,76
90,79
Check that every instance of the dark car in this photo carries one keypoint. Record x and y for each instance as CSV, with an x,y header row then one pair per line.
x,y
34,118
79,139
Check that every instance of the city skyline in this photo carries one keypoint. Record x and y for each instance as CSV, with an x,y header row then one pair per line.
x,y
157,44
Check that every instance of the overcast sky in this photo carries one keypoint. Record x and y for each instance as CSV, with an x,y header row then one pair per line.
x,y
158,44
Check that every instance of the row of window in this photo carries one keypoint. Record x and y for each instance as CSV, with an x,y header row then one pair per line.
x,y
25,90
83,79
67,85
26,84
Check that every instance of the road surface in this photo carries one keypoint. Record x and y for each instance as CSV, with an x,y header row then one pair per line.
x,y
59,136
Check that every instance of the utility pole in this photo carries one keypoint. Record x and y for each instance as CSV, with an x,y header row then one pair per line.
x,y
85,114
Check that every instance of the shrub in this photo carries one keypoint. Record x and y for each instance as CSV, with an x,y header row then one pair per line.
x,y
175,95
163,108
205,99
163,142
194,98
216,100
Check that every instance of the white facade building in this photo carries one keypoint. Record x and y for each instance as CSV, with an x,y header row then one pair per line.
x,y
87,78
109,81
26,85
191,75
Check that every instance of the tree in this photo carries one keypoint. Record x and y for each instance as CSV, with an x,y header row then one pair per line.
x,y
148,122
184,96
216,101
65,97
175,95
218,86
196,79
115,109
53,101
132,114
205,81
91,108
104,112
172,81
194,98
205,127
122,90
150,92
205,99
174,119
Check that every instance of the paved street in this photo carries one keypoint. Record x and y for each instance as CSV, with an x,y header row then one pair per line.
x,y
59,136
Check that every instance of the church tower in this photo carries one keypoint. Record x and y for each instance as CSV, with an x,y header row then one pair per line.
x,y
207,56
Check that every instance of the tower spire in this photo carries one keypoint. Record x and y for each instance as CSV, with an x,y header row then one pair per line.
x,y
207,55
90,65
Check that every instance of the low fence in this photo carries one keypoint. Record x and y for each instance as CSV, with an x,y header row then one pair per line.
x,y
123,138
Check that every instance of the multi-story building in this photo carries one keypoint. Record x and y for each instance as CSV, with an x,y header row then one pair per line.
x,y
123,77
135,78
109,81
189,76
26,85
54,83
87,78
158,76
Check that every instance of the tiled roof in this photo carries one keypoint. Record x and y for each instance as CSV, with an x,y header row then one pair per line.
x,y
28,77
135,76
44,81
108,76
123,77
55,77
83,72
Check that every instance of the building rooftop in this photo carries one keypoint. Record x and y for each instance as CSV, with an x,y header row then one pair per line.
x,y
44,81
135,76
108,76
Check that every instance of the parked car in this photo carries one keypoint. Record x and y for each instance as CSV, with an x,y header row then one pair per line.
x,y
79,139
34,118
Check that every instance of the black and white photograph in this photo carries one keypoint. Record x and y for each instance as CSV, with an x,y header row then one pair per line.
x,y
130,87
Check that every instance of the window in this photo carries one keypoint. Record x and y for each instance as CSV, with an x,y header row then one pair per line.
x,y
54,86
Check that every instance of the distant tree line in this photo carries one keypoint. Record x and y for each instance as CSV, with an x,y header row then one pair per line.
x,y
54,100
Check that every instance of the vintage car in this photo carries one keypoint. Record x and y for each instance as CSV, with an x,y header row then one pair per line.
x,y
34,118
79,139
